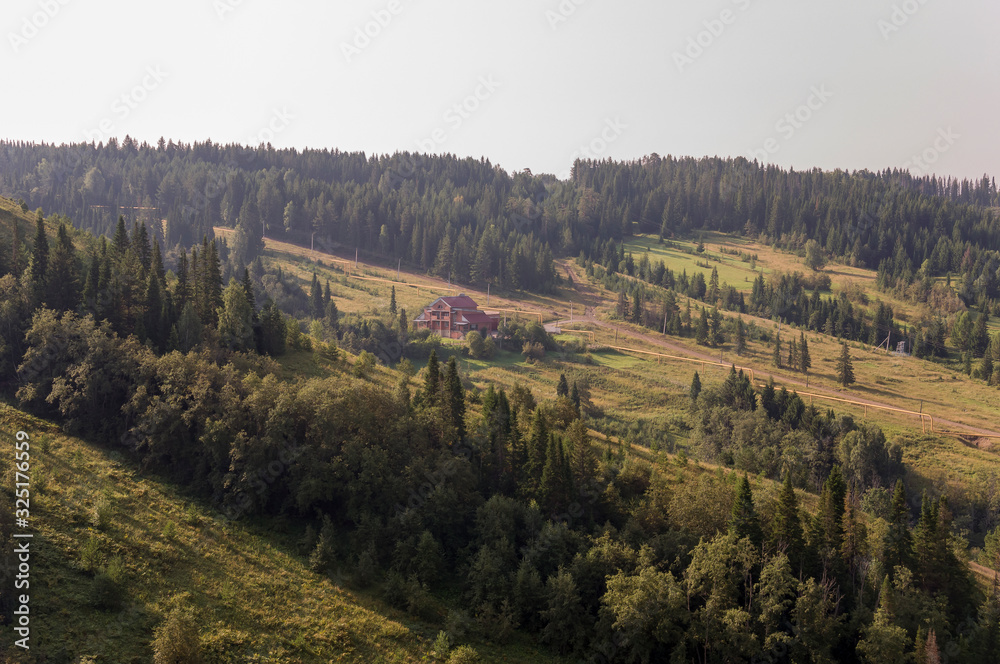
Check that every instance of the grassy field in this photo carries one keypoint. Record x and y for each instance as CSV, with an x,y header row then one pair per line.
x,y
255,599
414,291
681,255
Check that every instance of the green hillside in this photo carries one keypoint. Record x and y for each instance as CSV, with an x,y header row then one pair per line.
x,y
249,586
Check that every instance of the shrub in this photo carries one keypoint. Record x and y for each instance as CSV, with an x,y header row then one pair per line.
x,y
364,364
108,591
176,640
476,345
442,644
90,555
464,655
103,511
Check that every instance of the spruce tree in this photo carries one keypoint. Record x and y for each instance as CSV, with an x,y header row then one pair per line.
x,y
40,255
153,322
701,335
456,397
538,440
120,241
845,368
574,397
744,521
695,387
92,283
63,277
805,361
183,286
788,524
562,388
315,298
776,356
741,340
432,381
211,275
392,299
898,541
793,355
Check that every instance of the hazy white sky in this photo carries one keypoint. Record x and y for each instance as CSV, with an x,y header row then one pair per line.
x,y
526,83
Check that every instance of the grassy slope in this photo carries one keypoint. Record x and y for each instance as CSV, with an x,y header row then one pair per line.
x,y
255,597
631,390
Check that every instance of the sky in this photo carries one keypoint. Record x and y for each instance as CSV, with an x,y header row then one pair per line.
x,y
850,84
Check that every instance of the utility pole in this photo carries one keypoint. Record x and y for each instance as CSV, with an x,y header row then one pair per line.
x,y
487,292
355,258
398,264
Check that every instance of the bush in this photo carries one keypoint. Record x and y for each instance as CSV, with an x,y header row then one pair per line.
x,y
103,511
90,555
176,640
324,555
105,593
533,351
364,364
476,345
442,644
464,655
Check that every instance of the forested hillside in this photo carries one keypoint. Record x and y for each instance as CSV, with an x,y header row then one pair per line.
x,y
485,511
484,514
472,221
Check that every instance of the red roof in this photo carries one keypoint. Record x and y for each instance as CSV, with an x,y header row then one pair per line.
x,y
477,317
460,302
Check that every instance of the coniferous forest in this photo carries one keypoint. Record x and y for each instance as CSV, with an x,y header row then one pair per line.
x,y
801,543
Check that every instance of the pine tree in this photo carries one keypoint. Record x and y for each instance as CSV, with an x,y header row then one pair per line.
x,y
715,328
574,397
898,541
805,361
153,322
211,275
236,319
986,367
316,298
788,524
432,381
701,336
744,521
324,556
92,283
40,255
182,289
63,277
331,316
845,368
695,387
980,334
827,532
140,245
456,397
741,340
156,264
538,441
562,388
120,241
392,299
